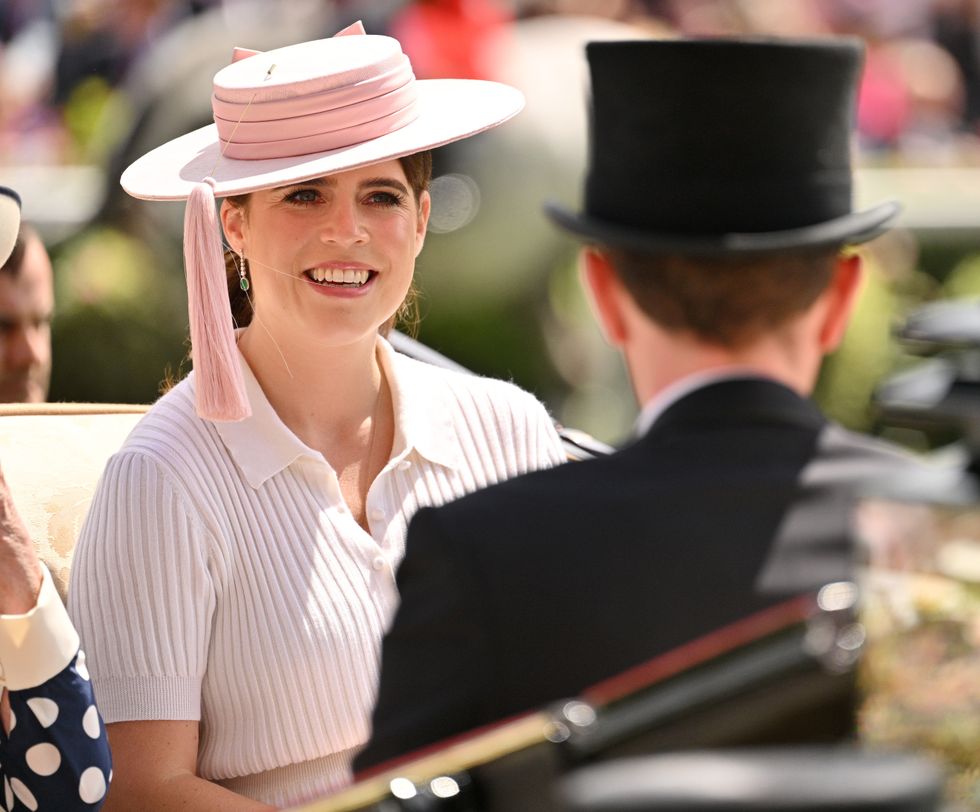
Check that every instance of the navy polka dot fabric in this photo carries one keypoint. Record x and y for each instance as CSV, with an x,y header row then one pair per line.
x,y
56,756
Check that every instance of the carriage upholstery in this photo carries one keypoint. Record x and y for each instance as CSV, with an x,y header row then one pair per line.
x,y
52,455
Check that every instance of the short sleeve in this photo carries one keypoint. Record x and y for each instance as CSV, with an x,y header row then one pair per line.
x,y
141,594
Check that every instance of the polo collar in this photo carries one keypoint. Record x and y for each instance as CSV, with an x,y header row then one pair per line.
x,y
262,445
423,419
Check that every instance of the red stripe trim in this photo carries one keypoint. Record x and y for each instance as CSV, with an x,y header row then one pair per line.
x,y
714,644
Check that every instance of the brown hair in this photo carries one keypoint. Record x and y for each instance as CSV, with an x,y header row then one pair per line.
x,y
727,301
418,172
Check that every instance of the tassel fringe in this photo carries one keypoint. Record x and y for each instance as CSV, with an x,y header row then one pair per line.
x,y
219,382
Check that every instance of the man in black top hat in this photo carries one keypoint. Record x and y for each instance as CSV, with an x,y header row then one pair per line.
x,y
716,206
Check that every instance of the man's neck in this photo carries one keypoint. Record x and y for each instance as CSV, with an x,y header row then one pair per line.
x,y
665,360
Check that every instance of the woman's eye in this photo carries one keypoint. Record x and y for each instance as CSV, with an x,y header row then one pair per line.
x,y
303,196
385,199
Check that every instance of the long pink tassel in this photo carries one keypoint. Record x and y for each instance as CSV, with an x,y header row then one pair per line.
x,y
219,382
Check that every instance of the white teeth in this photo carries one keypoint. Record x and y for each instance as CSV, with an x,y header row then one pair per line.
x,y
339,276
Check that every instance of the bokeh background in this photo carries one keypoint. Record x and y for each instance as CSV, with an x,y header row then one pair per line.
x,y
88,85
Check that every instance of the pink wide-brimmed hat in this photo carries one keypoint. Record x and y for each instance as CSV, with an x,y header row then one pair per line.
x,y
9,221
289,115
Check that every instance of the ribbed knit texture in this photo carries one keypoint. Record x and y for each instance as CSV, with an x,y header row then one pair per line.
x,y
259,608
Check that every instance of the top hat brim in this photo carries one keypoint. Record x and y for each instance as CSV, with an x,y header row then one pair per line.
x,y
9,221
449,110
849,229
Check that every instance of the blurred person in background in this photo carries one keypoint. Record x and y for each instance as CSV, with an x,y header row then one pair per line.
x,y
54,753
235,572
26,309
715,267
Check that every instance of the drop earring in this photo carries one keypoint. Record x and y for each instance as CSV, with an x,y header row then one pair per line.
x,y
242,277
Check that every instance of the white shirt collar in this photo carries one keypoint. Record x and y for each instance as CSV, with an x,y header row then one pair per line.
x,y
672,393
262,445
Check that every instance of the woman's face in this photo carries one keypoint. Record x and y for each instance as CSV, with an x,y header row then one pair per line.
x,y
330,259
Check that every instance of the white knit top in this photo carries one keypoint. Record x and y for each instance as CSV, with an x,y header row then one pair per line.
x,y
220,576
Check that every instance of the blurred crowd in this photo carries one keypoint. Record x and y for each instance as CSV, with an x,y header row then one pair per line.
x,y
63,62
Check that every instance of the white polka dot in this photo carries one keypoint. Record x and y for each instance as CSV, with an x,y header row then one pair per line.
x,y
91,787
24,794
44,709
90,722
80,666
13,720
44,758
8,793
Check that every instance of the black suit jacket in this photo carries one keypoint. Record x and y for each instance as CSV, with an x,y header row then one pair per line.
x,y
739,496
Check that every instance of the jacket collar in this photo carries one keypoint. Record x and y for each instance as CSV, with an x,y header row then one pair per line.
x,y
738,401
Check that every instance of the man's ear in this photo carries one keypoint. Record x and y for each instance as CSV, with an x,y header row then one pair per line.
x,y
233,224
425,208
605,294
842,295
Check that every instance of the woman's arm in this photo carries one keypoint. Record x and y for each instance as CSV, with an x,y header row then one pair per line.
x,y
155,771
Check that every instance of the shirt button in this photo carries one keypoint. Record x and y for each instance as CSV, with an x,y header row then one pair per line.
x,y
378,563
404,465
376,514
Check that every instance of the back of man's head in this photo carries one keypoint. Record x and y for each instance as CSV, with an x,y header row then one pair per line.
x,y
728,301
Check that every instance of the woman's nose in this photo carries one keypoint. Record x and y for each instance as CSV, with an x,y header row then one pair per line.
x,y
342,225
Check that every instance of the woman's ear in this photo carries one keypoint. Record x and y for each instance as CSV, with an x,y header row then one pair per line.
x,y
605,293
425,208
234,225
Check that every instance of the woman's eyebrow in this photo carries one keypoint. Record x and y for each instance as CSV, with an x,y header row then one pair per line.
x,y
311,182
392,183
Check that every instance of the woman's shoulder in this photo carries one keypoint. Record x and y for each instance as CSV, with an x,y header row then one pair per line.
x,y
171,432
466,389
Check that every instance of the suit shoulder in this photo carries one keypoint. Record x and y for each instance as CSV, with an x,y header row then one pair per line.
x,y
469,392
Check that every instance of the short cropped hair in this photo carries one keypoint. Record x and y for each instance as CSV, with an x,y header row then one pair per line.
x,y
727,301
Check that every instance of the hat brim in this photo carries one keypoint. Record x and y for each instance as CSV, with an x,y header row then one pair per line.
x,y
9,221
850,229
449,110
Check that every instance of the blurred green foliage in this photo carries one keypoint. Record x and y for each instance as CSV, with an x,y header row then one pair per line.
x,y
120,322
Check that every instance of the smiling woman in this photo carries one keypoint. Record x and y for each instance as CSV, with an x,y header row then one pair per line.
x,y
235,573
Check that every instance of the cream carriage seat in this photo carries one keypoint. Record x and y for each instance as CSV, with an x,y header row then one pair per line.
x,y
52,455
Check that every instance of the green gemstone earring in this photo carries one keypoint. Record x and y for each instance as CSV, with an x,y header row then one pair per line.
x,y
243,279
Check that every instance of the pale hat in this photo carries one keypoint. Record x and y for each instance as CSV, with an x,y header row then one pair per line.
x,y
289,115
9,221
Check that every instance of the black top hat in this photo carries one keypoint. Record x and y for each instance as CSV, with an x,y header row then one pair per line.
x,y
722,147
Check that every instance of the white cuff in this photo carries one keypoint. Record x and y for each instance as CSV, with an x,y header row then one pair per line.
x,y
38,645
